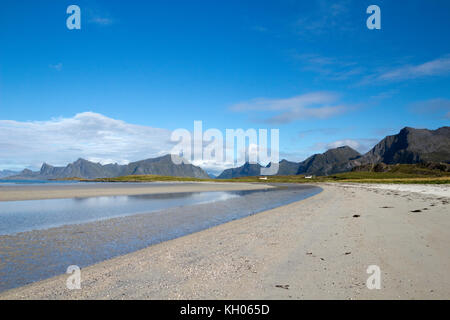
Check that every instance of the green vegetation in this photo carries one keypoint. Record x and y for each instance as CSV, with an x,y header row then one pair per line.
x,y
369,177
143,178
403,173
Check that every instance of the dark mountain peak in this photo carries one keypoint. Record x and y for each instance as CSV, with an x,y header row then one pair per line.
x,y
340,154
7,173
286,161
287,168
86,169
331,161
81,160
46,165
46,169
342,149
163,159
443,131
166,167
408,129
411,146
246,170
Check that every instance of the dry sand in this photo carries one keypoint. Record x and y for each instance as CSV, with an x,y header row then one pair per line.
x,y
318,248
83,190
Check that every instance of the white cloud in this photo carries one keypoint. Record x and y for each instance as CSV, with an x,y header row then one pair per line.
x,y
436,67
88,135
329,68
94,137
316,105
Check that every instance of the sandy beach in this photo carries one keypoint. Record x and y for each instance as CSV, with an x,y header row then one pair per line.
x,y
83,190
318,248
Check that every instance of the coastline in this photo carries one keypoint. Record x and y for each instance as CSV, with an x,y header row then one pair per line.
x,y
33,192
313,249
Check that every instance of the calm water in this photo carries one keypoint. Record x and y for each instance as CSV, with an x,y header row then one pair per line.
x,y
87,231
34,182
20,216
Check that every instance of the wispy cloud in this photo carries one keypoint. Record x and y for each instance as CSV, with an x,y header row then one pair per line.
x,y
330,68
57,67
89,135
436,67
102,21
326,17
434,107
341,68
316,105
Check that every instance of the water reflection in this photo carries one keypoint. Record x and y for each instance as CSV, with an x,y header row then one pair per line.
x,y
35,255
21,216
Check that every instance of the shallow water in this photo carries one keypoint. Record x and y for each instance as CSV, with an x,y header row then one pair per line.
x,y
21,216
35,255
6,181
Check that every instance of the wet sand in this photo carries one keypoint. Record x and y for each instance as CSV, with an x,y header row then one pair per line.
x,y
38,254
83,190
318,248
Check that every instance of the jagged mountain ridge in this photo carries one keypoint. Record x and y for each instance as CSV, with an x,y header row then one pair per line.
x,y
332,161
7,173
246,170
89,170
409,146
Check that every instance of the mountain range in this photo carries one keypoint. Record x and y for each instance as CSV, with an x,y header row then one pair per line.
x,y
7,173
89,170
409,146
332,161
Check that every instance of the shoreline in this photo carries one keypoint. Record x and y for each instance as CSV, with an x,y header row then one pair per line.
x,y
315,247
39,240
41,192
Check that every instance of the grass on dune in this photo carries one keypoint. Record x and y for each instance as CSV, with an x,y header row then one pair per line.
x,y
361,177
402,173
144,178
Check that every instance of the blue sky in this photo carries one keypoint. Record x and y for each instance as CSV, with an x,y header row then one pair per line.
x,y
309,68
